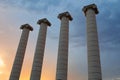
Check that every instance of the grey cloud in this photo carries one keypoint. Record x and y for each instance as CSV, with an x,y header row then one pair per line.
x,y
77,26
109,25
32,5
108,28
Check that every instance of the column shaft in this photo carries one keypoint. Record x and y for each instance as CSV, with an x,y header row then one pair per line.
x,y
62,60
62,64
17,65
94,66
39,52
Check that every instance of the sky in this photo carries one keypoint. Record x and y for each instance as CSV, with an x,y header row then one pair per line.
x,y
14,13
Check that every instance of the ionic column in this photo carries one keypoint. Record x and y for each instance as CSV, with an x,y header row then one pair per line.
x,y
39,52
17,65
94,66
62,61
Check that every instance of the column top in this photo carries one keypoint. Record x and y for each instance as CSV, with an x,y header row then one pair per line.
x,y
66,14
91,6
27,26
44,20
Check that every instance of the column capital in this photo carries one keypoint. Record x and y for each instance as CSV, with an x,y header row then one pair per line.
x,y
27,26
91,6
65,14
44,20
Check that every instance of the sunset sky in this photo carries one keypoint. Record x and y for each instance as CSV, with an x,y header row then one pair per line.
x,y
14,13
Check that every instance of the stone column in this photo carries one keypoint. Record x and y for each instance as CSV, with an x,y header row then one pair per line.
x,y
94,65
62,61
17,65
39,52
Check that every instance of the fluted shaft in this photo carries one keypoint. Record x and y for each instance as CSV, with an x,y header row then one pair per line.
x,y
94,65
17,65
62,61
39,52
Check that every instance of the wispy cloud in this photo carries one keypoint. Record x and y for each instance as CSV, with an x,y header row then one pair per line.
x,y
14,13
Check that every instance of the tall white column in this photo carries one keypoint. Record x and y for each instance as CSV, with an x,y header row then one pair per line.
x,y
62,61
17,65
39,52
94,65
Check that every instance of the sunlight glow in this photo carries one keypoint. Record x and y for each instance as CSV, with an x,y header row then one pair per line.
x,y
1,63
1,72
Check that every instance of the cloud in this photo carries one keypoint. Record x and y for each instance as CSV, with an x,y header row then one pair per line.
x,y
17,12
116,79
40,6
108,28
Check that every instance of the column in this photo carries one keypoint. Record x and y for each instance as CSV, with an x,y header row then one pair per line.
x,y
94,65
17,65
39,52
62,61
